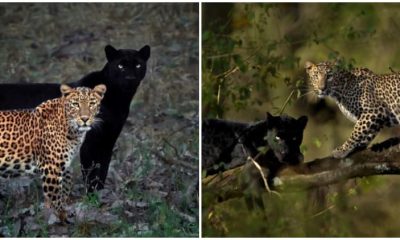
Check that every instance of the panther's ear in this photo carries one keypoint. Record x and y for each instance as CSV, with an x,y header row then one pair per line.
x,y
302,121
269,119
111,53
100,90
65,90
145,52
308,65
268,116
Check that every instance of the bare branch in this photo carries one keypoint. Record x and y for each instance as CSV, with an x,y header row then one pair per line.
x,y
313,174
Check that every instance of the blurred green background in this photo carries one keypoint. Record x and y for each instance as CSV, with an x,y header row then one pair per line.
x,y
252,62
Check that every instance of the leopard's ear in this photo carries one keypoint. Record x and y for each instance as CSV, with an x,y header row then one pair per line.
x,y
308,65
145,52
65,90
100,90
338,62
111,53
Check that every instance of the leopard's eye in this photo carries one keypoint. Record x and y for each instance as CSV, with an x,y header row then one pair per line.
x,y
75,104
92,103
329,76
138,65
277,139
120,66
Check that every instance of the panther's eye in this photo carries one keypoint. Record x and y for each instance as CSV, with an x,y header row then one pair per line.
x,y
138,65
120,66
92,103
277,139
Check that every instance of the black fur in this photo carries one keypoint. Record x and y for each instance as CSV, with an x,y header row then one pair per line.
x,y
281,136
379,147
220,137
122,74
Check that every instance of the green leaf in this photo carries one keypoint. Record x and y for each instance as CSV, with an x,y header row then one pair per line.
x,y
240,63
207,35
317,142
263,150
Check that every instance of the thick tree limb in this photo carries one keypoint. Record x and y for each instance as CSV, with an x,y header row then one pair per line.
x,y
313,174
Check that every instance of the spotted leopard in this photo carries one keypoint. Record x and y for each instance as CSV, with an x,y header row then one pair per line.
x,y
45,139
369,100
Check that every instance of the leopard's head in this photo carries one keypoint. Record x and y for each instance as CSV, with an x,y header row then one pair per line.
x,y
323,78
82,104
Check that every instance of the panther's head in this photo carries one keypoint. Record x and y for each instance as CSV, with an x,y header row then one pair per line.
x,y
285,136
82,104
322,77
126,67
282,135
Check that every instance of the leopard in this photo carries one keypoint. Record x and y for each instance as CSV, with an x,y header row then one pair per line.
x,y
368,99
44,140
122,74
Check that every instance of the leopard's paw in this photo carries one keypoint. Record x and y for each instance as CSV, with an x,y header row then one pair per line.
x,y
340,153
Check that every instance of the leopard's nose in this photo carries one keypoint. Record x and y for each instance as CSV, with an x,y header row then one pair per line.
x,y
85,118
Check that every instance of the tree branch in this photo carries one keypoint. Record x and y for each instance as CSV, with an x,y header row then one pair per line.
x,y
313,174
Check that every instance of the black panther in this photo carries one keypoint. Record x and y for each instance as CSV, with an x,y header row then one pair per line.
x,y
280,136
122,74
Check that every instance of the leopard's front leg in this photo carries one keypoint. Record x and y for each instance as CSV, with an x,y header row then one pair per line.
x,y
364,131
66,184
53,190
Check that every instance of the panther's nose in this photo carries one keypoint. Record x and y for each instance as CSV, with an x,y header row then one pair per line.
x,y
130,77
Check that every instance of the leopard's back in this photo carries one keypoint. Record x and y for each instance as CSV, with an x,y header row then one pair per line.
x,y
17,138
358,91
370,100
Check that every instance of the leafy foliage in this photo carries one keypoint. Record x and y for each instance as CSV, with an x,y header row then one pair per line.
x,y
251,51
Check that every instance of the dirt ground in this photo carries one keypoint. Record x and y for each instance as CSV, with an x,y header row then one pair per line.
x,y
152,186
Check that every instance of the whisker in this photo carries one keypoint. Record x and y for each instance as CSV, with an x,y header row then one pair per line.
x,y
97,123
309,92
